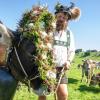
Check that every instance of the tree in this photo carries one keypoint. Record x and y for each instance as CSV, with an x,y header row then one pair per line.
x,y
78,50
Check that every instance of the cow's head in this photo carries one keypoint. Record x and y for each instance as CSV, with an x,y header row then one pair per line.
x,y
5,43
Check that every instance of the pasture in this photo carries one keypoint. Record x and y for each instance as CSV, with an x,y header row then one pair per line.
x,y
77,90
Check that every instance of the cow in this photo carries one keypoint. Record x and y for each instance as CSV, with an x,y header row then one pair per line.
x,y
8,83
88,68
95,80
98,65
5,43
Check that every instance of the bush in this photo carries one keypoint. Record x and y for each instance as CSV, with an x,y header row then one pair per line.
x,y
78,50
87,53
93,50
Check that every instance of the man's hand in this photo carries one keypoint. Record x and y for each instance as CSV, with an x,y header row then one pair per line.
x,y
67,65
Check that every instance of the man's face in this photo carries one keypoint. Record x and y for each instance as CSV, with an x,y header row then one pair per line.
x,y
62,21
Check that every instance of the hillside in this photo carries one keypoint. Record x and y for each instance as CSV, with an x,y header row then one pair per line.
x,y
82,56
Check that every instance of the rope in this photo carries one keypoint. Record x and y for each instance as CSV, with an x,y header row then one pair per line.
x,y
62,72
20,62
34,77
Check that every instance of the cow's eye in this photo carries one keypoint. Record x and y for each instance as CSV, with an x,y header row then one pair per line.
x,y
0,35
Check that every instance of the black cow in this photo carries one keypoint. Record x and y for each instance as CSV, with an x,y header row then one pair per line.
x,y
95,80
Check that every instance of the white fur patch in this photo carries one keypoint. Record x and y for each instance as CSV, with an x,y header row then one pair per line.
x,y
5,43
5,38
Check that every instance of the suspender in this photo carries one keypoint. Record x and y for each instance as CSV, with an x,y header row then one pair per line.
x,y
68,41
68,38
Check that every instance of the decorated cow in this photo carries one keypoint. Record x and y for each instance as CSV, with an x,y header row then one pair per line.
x,y
27,54
31,60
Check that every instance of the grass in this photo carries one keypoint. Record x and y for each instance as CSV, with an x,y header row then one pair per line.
x,y
80,90
77,90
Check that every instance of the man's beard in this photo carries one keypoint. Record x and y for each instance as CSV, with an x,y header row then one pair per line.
x,y
60,25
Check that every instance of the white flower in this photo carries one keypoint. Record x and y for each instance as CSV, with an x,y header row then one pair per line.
x,y
41,7
30,25
51,74
44,34
42,45
36,12
51,34
54,25
44,56
49,46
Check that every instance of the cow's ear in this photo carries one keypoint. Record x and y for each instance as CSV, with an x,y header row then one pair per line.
x,y
75,13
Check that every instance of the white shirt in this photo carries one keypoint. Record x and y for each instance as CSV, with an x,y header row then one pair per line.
x,y
60,52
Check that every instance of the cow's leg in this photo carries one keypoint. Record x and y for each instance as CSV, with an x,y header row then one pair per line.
x,y
88,76
87,79
99,84
7,85
91,72
82,75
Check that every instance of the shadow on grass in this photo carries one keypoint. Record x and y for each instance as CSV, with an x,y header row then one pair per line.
x,y
72,80
84,88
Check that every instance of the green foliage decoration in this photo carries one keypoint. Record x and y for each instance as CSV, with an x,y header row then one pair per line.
x,y
38,23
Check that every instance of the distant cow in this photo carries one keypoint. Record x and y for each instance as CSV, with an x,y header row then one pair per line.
x,y
88,68
95,80
79,66
98,65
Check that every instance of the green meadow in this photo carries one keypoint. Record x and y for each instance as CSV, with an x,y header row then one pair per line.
x,y
77,90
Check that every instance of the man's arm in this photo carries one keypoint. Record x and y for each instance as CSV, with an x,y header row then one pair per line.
x,y
71,52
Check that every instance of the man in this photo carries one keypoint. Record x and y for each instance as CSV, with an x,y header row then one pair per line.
x,y
64,49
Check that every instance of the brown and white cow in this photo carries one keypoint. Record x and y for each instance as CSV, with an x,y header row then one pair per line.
x,y
98,65
88,68
5,43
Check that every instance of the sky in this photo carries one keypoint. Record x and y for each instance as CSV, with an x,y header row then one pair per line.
x,y
86,30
